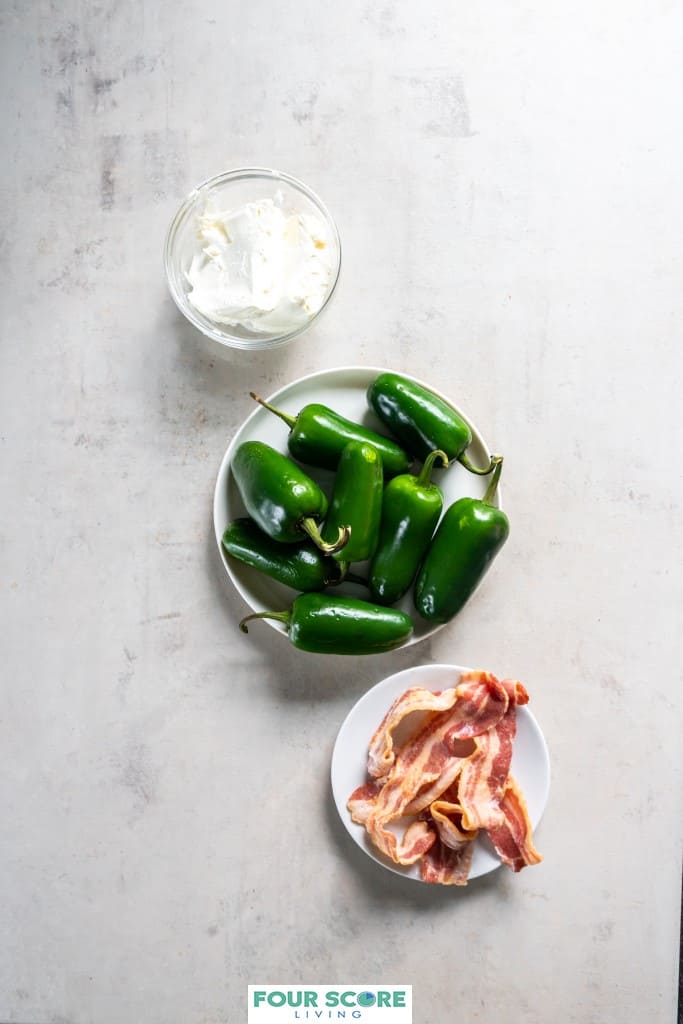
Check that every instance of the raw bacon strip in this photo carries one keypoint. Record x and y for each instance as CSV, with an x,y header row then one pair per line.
x,y
381,754
423,760
424,763
429,755
483,778
444,866
429,793
482,782
362,801
481,702
418,838
513,839
447,818
452,770
516,691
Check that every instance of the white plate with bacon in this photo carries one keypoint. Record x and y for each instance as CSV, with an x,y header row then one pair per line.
x,y
441,774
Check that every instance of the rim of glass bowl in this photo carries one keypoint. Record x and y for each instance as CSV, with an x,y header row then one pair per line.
x,y
223,336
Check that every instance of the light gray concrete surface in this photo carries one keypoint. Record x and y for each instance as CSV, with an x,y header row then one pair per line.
x,y
507,183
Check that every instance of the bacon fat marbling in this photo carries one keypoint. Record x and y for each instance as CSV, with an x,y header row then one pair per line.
x,y
451,769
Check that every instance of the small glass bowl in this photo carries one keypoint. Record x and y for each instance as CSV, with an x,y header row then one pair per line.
x,y
232,189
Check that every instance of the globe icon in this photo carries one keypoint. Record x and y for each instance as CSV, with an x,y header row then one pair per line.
x,y
366,998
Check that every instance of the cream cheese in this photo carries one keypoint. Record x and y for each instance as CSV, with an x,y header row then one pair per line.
x,y
261,266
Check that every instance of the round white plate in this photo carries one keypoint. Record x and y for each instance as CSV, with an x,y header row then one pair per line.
x,y
530,762
344,390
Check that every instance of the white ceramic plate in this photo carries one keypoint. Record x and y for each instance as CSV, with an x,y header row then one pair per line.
x,y
530,762
344,390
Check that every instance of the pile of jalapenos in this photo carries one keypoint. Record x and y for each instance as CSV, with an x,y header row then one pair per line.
x,y
378,513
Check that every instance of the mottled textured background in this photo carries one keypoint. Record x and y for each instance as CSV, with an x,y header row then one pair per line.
x,y
507,183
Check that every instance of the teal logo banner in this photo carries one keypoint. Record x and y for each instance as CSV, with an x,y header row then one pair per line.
x,y
294,1004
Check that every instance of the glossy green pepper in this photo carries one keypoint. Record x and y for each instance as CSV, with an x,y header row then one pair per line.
x,y
356,501
467,540
318,436
421,420
279,497
300,566
340,625
411,509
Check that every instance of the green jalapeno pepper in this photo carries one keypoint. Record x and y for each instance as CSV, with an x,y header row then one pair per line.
x,y
356,501
300,566
318,436
340,625
421,420
279,497
467,540
411,508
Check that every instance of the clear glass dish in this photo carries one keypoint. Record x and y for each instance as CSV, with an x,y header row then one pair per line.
x,y
232,189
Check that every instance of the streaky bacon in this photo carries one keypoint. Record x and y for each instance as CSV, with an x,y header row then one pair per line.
x,y
447,817
418,838
452,770
444,866
422,760
513,837
425,796
483,778
362,801
381,754
516,691
481,701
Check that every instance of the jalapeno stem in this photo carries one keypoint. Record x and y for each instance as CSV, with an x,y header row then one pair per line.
x,y
493,482
425,473
311,528
280,616
464,461
289,420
